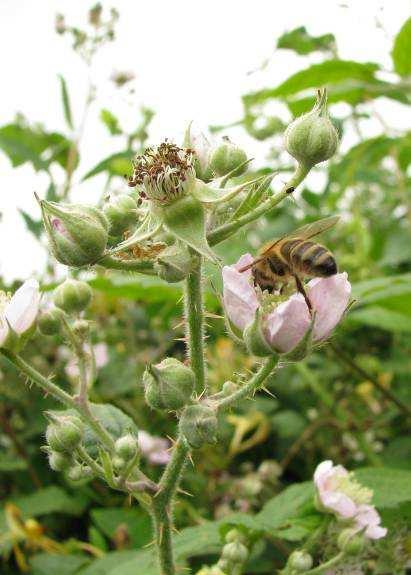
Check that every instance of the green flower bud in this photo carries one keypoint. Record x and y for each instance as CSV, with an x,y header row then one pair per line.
x,y
351,542
229,387
312,138
78,472
226,157
77,233
198,425
300,561
174,263
59,461
235,535
118,463
81,328
73,296
126,447
121,212
235,552
49,322
65,433
169,384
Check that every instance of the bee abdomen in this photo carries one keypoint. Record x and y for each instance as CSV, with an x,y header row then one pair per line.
x,y
313,259
277,266
325,265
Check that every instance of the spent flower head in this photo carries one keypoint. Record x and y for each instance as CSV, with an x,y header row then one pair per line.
x,y
164,172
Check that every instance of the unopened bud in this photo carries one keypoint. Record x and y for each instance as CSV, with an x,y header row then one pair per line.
x,y
121,212
235,552
198,425
169,384
300,561
73,296
351,542
229,387
126,447
81,328
118,463
312,138
174,263
235,535
78,472
65,433
59,461
49,322
77,233
227,157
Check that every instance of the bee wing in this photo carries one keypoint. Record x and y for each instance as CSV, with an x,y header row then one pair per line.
x,y
314,229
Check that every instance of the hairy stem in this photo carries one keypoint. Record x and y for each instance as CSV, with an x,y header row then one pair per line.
x,y
249,388
226,230
194,316
141,266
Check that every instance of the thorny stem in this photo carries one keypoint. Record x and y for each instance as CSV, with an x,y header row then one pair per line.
x,y
141,266
194,315
249,388
162,501
226,230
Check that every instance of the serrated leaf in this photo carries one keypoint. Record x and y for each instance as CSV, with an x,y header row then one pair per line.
x,y
401,52
66,102
111,122
326,73
45,563
390,486
118,164
301,42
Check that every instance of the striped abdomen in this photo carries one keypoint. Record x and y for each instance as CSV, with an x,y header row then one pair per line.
x,y
308,258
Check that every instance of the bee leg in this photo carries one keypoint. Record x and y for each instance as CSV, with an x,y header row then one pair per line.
x,y
301,289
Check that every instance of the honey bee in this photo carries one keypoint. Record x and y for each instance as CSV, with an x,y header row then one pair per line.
x,y
294,256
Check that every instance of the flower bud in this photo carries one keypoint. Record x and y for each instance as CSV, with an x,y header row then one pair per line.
x,y
351,542
81,328
300,561
226,157
169,384
121,212
59,461
198,425
65,433
118,463
49,321
78,472
73,296
235,552
235,535
174,263
312,138
77,233
126,447
229,387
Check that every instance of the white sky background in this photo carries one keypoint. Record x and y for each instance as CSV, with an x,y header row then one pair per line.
x,y
191,60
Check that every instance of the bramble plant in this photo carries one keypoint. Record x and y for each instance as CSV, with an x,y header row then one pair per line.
x,y
183,201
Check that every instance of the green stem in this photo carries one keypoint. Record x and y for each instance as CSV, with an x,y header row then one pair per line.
x,y
194,314
249,388
70,402
325,566
141,266
33,375
226,230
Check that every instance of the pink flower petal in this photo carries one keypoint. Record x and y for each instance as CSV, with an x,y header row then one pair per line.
x,y
329,297
23,307
367,516
240,299
287,324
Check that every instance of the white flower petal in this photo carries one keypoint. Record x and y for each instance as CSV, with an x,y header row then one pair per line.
x,y
287,324
239,296
23,307
329,297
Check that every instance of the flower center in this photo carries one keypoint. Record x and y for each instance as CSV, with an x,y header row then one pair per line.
x,y
350,487
165,172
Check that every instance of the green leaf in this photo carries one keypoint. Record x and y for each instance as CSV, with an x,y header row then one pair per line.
x,y
390,486
382,318
111,122
45,564
10,463
301,42
326,73
376,289
398,453
66,102
401,52
277,512
118,164
34,226
134,520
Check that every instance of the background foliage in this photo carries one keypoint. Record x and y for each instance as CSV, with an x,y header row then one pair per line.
x,y
350,402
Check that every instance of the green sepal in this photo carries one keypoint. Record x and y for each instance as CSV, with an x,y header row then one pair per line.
x,y
304,347
209,195
254,338
147,230
185,220
107,466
